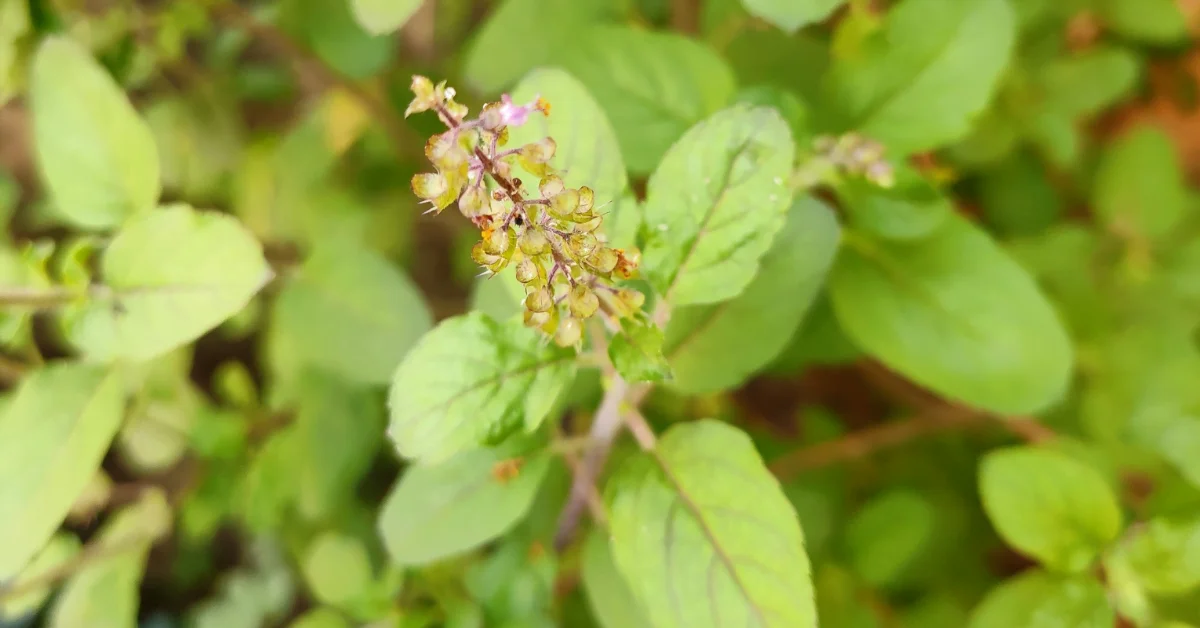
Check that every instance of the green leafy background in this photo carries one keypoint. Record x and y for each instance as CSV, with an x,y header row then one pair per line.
x,y
245,381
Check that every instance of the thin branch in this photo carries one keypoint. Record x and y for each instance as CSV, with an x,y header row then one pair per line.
x,y
641,430
40,298
281,44
863,443
91,554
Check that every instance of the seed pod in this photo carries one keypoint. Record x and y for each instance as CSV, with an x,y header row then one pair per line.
x,y
564,203
602,261
586,198
541,151
532,241
481,256
631,298
569,332
582,244
495,241
474,201
429,185
536,319
539,300
527,270
583,301
588,226
550,186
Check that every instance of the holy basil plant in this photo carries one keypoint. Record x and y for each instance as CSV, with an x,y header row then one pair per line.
x,y
764,313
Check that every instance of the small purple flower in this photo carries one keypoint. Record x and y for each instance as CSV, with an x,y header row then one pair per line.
x,y
512,114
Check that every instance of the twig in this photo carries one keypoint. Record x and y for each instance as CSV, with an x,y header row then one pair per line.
x,y
393,126
91,554
40,298
605,427
640,429
862,443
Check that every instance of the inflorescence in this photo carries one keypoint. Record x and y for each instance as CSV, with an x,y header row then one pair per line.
x,y
551,236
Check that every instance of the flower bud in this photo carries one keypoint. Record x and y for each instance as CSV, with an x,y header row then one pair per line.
x,y
539,300
569,332
583,301
424,96
582,244
602,261
526,270
532,241
563,204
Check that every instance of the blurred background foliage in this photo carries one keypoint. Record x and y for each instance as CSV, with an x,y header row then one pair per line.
x,y
260,447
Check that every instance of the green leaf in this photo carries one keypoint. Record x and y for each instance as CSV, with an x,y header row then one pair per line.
x,y
654,86
1049,506
330,30
521,35
790,15
714,205
53,435
62,547
954,313
716,347
1040,600
14,27
1089,81
587,148
912,208
380,17
441,510
352,312
1018,196
637,352
170,275
104,593
1148,21
1164,555
472,381
887,534
703,533
819,340
336,567
96,156
609,596
321,617
920,82
1139,189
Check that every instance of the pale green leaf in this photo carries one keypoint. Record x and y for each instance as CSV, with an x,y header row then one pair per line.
x,y
330,30
954,313
472,381
654,86
1164,555
586,144
1040,600
609,596
379,17
1087,82
105,593
716,347
53,435
819,340
920,82
1139,188
1149,21
704,535
441,510
62,547
521,35
352,312
170,275
637,352
96,156
321,617
1049,506
714,205
790,15
14,27
887,534
336,567
912,208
